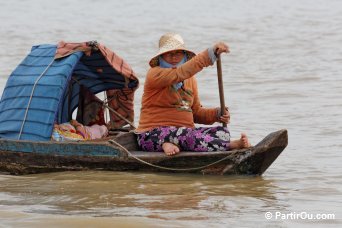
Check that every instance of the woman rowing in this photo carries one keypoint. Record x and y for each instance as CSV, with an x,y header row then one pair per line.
x,y
171,105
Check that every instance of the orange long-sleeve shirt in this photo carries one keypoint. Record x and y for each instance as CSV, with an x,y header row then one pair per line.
x,y
163,105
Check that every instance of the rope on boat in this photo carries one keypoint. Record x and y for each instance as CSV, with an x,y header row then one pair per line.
x,y
29,103
168,168
119,115
105,104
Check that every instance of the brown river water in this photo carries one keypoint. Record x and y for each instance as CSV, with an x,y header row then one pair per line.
x,y
284,71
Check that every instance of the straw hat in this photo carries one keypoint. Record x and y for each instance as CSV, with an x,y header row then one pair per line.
x,y
170,42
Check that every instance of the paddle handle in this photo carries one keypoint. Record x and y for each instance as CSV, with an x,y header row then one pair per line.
x,y
220,85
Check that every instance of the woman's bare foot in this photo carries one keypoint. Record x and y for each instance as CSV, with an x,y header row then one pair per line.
x,y
170,148
240,143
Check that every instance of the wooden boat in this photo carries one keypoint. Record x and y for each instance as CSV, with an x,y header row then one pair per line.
x,y
54,80
119,153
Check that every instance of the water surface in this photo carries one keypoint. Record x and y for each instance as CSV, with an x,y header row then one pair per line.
x,y
284,71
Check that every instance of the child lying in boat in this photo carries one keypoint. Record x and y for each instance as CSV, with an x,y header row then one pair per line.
x,y
75,131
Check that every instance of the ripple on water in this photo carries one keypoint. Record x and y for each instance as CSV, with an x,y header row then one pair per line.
x,y
283,72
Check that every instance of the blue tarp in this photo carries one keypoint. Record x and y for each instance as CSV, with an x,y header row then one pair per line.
x,y
42,91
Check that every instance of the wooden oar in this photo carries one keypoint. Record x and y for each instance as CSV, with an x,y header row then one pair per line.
x,y
220,84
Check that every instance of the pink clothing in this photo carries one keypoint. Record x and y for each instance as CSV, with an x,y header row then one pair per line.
x,y
96,131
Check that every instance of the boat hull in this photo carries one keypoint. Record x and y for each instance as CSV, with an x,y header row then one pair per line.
x,y
25,157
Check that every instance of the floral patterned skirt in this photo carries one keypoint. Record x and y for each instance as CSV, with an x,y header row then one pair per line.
x,y
199,139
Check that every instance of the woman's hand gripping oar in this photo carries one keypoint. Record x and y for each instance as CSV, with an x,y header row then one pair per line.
x,y
225,115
